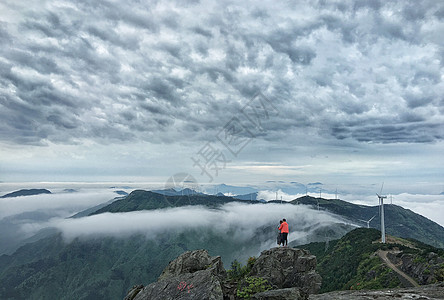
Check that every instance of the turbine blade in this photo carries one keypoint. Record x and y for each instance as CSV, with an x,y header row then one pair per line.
x,y
382,186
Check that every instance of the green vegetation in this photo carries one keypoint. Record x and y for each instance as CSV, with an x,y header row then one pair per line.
x,y
252,286
352,262
145,200
239,272
340,265
101,268
246,285
371,274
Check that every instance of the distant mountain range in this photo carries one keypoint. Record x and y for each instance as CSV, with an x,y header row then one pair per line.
x,y
106,267
290,188
26,192
147,200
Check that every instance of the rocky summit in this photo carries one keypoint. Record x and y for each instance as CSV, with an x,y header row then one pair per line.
x,y
288,273
287,268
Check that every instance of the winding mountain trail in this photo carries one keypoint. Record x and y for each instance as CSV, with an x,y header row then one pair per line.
x,y
383,256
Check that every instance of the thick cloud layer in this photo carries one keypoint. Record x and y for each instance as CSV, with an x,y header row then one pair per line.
x,y
111,71
241,219
58,204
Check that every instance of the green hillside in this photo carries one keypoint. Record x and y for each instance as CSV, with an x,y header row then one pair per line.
x,y
103,268
146,200
352,263
398,221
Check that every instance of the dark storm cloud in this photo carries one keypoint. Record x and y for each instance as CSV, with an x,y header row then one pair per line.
x,y
159,71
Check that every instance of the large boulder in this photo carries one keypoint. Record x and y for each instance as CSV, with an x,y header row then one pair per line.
x,y
193,261
287,268
193,275
200,285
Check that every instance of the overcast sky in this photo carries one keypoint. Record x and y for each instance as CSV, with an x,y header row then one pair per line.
x,y
133,90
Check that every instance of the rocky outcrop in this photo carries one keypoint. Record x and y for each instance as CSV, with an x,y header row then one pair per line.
x,y
133,292
196,275
193,261
193,275
425,270
287,268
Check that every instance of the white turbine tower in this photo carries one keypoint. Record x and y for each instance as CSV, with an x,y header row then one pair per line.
x,y
381,208
368,222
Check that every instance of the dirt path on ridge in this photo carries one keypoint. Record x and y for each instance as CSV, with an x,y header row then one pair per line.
x,y
383,256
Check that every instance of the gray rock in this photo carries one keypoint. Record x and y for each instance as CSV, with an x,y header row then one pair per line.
x,y
282,294
192,261
133,292
196,275
200,285
423,271
427,292
287,268
193,275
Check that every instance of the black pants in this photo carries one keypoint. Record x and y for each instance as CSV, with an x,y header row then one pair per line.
x,y
284,238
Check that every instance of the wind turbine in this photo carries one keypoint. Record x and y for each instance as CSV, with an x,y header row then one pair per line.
x,y
381,205
368,222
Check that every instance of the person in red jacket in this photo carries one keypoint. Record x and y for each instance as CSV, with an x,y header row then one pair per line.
x,y
284,231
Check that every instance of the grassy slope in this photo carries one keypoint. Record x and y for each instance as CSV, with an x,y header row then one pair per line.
x,y
350,262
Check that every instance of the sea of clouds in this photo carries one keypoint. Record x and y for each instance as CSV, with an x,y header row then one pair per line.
x,y
241,220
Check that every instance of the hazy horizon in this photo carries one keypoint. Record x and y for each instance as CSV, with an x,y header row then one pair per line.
x,y
428,205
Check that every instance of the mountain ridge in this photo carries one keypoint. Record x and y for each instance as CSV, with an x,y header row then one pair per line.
x,y
398,220
410,224
26,192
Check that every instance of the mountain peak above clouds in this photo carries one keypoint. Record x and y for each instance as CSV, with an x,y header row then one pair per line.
x,y
26,192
